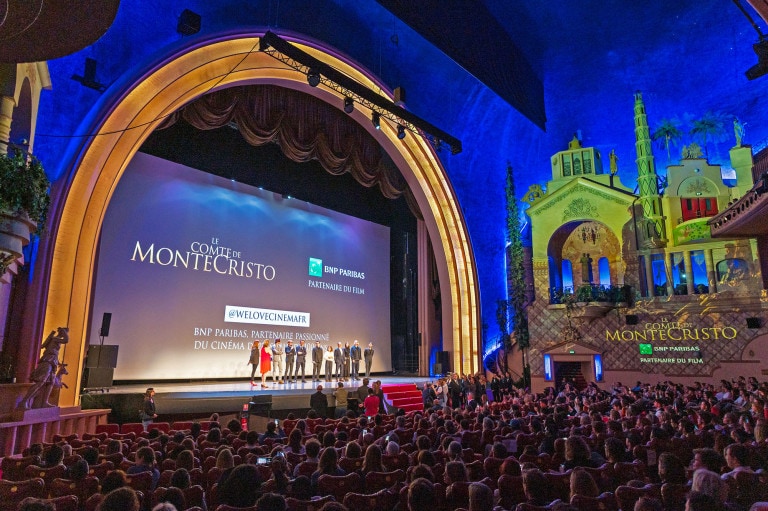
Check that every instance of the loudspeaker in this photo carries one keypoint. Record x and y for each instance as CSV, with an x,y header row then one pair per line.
x,y
631,319
104,355
106,319
754,323
261,405
97,377
189,23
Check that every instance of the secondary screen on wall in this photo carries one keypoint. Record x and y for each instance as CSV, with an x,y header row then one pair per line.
x,y
194,268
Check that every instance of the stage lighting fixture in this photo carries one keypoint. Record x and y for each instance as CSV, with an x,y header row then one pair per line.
x,y
313,78
189,23
349,105
376,120
400,132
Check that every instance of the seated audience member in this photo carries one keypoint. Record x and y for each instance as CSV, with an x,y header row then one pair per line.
x,y
421,495
294,442
241,488
175,497
709,459
180,479
273,432
697,501
372,460
710,484
577,453
53,457
327,465
582,483
271,502
145,462
648,504
536,487
312,449
113,480
33,504
737,459
121,499
480,497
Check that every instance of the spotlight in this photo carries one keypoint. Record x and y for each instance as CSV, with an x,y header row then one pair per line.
x,y
400,132
349,105
313,78
189,23
376,120
761,68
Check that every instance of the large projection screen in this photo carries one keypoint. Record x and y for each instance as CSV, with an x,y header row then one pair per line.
x,y
194,268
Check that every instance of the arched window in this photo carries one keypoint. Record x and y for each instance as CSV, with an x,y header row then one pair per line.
x,y
604,267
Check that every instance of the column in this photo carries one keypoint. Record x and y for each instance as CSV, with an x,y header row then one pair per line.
x,y
7,105
649,287
688,271
711,275
668,271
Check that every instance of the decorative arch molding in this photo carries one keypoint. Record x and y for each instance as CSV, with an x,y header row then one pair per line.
x,y
139,103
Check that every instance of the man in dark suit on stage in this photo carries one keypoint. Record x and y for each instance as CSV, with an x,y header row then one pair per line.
x,y
301,357
454,390
290,358
338,360
317,361
368,356
355,354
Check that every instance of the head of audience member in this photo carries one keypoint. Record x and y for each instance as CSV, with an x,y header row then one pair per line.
x,y
53,456
614,450
145,456
736,455
120,499
242,487
180,479
176,497
392,448
353,450
536,487
707,458
499,451
480,497
372,460
421,495
312,449
510,467
195,429
576,449
214,435
91,455
225,459
271,502
78,470
113,480
582,483
698,501
455,472
710,484
671,469
454,451
294,440
301,488
34,504
648,504
186,460
328,463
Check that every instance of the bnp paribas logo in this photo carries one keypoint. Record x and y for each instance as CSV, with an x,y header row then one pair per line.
x,y
315,267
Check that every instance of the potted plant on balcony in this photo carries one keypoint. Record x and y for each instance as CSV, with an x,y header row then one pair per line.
x,y
24,200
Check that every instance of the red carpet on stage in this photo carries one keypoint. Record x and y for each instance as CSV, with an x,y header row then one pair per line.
x,y
405,396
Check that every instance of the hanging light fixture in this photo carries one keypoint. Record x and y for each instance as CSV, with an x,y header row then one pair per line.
x,y
376,120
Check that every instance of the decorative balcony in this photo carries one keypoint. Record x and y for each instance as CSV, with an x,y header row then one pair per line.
x,y
691,231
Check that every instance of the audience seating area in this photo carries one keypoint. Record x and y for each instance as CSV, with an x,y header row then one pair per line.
x,y
586,451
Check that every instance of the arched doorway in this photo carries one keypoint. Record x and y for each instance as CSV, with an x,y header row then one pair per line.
x,y
139,103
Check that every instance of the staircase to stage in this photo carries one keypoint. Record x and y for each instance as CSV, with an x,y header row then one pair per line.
x,y
405,396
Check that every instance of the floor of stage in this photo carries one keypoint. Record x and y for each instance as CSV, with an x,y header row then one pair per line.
x,y
229,396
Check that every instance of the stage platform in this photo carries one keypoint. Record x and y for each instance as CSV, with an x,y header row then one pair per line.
x,y
179,401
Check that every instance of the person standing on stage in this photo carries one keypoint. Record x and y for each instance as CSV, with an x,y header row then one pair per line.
x,y
368,356
328,356
317,361
346,354
355,354
277,361
338,359
301,357
254,360
290,358
148,411
266,362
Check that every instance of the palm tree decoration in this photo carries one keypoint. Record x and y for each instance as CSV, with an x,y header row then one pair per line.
x,y
516,275
667,134
711,126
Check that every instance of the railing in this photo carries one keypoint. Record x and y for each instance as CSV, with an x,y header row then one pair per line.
x,y
591,293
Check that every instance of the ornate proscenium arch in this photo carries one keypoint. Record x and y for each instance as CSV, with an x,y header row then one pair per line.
x,y
140,103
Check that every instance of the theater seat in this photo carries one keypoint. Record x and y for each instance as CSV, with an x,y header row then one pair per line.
x,y
383,500
307,505
13,492
375,481
338,486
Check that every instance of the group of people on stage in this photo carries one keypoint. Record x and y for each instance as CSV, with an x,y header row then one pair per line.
x,y
459,391
287,362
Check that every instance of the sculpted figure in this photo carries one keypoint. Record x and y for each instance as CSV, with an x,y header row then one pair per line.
x,y
48,371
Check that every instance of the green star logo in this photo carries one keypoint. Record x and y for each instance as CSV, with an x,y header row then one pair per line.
x,y
646,349
315,267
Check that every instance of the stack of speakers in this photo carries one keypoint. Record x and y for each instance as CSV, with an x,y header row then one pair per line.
x,y
101,360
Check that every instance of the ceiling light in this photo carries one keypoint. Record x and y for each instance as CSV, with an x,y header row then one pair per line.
x,y
313,78
376,120
349,105
400,132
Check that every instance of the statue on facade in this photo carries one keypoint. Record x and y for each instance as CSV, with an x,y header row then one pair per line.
x,y
586,269
614,162
738,131
49,370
